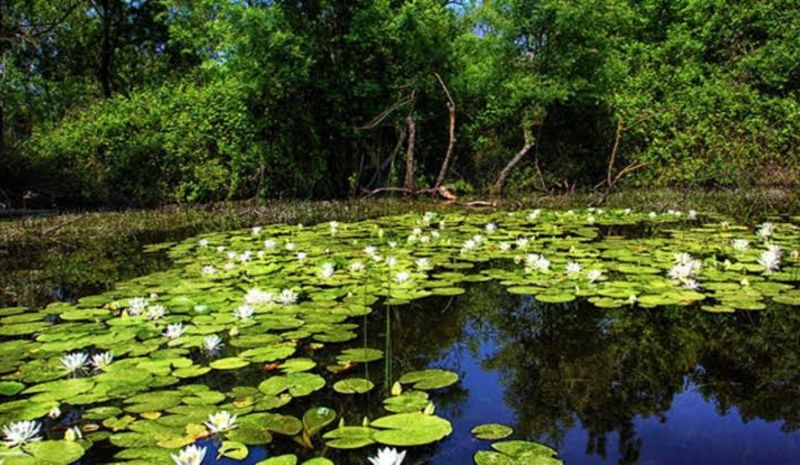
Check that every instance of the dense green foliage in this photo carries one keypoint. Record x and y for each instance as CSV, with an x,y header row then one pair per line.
x,y
150,101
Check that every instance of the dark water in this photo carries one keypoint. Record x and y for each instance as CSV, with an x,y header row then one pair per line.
x,y
620,386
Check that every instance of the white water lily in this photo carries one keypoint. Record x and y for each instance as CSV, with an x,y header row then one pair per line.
x,y
536,262
229,266
469,244
102,360
770,259
270,244
356,267
685,267
257,296
220,422
388,456
261,254
652,214
245,256
244,312
534,214
504,246
174,331
301,256
289,246
156,312
54,412
402,277
594,275
327,270
231,255
75,361
203,242
190,455
21,432
137,305
627,211
632,299
428,217
209,270
212,343
590,219
391,261
477,238
573,267
490,228
691,284
220,248
256,229
370,250
522,243
334,226
765,230
423,263
693,214
740,244
287,297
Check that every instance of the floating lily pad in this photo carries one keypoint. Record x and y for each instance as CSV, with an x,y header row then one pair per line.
x,y
353,386
492,431
429,379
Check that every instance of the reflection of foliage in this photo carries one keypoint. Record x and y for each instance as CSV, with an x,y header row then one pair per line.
x,y
573,363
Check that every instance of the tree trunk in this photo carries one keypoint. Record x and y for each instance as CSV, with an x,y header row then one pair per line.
x,y
410,181
451,109
497,188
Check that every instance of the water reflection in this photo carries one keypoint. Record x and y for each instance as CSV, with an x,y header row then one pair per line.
x,y
613,386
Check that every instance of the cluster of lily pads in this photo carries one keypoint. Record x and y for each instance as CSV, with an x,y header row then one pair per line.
x,y
139,366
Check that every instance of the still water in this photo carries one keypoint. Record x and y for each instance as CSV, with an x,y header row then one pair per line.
x,y
619,386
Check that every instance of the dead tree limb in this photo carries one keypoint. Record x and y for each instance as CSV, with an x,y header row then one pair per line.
x,y
613,158
497,188
410,182
451,110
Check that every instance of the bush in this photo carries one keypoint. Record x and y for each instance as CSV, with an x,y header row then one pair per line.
x,y
181,142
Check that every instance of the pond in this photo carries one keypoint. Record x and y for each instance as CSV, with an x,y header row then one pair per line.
x,y
587,337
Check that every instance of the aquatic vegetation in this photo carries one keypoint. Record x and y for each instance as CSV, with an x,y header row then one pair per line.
x,y
21,432
190,455
284,326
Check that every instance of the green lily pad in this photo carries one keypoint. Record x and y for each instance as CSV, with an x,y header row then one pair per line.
x,y
492,431
430,379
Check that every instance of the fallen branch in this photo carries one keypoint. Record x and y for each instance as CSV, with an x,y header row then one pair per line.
x,y
451,110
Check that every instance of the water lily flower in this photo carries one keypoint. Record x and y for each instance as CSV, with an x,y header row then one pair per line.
x,y
212,343
504,246
327,270
301,256
54,412
287,297
573,267
21,432
289,246
370,250
740,244
156,312
627,211
257,296
388,456
442,224
220,422
244,312
220,248
594,275
693,214
435,234
522,243
691,284
245,256
356,267
402,277
477,238
232,255
75,361
534,214
490,228
590,219
632,299
256,229
652,214
261,254
770,259
209,269
469,244
229,266
391,261
270,244
190,455
102,360
137,305
765,230
334,225
422,263
536,262
174,331
392,244
203,242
